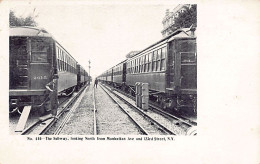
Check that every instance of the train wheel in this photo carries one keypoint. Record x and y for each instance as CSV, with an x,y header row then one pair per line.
x,y
172,104
123,88
164,104
160,101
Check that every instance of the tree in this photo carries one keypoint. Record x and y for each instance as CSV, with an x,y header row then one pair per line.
x,y
186,19
20,21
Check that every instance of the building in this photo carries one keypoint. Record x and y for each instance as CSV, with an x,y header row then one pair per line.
x,y
168,20
131,54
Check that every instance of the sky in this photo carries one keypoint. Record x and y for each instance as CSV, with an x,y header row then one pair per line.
x,y
100,32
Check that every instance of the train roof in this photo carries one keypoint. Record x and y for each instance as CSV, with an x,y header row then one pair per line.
x,y
29,31
35,32
180,33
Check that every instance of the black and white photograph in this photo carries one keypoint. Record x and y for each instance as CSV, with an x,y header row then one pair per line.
x,y
129,82
108,76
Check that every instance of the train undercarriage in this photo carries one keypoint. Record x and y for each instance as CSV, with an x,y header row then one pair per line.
x,y
172,103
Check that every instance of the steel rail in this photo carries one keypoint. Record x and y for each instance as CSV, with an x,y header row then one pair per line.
x,y
145,115
158,110
160,126
48,122
68,116
122,108
94,113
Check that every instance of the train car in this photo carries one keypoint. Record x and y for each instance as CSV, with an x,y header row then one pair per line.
x,y
169,67
80,76
86,78
67,70
109,76
40,69
103,77
119,74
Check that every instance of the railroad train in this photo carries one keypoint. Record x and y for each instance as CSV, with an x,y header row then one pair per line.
x,y
40,70
169,66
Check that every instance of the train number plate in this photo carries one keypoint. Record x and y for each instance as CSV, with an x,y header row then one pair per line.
x,y
39,77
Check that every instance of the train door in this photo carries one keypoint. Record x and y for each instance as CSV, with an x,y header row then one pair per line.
x,y
170,66
186,64
124,73
18,63
41,52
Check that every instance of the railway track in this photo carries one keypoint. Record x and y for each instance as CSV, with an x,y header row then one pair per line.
x,y
94,113
155,108
176,125
146,124
45,123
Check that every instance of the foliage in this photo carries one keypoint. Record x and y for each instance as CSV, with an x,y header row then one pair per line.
x,y
20,21
187,18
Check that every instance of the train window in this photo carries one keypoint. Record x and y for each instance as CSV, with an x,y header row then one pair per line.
x,y
143,64
73,67
158,63
163,52
150,62
39,51
154,60
187,57
39,57
163,59
65,62
137,66
146,62
57,53
61,59
59,64
69,64
63,65
140,64
132,66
